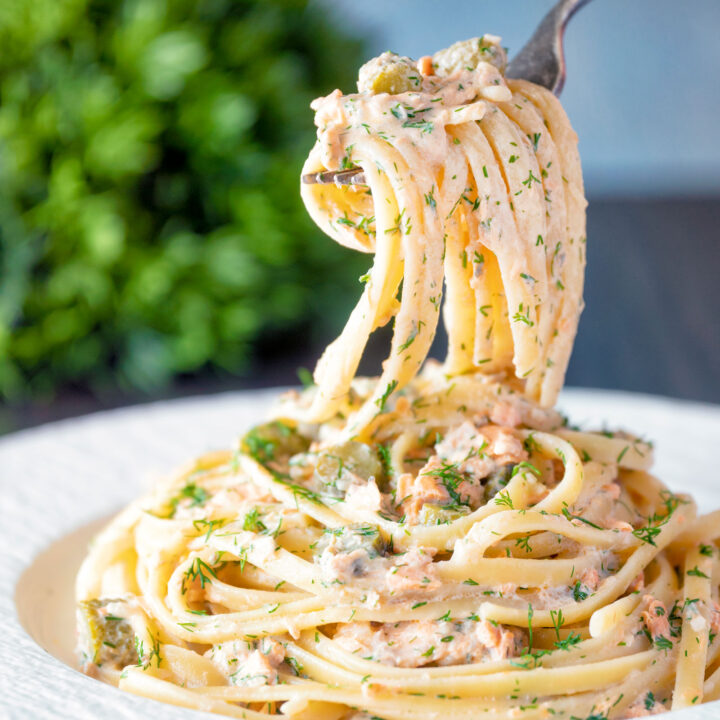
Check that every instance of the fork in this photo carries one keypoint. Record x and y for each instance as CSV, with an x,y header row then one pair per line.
x,y
541,61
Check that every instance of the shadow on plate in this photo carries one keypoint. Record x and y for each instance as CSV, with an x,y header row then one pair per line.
x,y
45,593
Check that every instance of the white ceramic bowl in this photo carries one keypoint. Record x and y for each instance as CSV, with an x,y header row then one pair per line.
x,y
60,482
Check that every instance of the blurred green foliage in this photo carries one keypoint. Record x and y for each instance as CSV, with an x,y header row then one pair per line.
x,y
150,221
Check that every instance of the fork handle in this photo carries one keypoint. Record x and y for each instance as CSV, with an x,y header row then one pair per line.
x,y
542,59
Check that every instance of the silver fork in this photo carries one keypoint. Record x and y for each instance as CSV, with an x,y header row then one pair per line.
x,y
541,61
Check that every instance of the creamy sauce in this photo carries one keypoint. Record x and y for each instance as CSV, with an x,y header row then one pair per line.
x,y
437,102
415,644
248,663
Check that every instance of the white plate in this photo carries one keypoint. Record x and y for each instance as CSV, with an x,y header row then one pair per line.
x,y
61,478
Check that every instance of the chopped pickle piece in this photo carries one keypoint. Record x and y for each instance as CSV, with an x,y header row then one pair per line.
x,y
498,480
441,514
356,536
105,638
274,442
468,54
389,73
338,466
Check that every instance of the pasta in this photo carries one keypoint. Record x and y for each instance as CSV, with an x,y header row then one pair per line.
x,y
438,539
